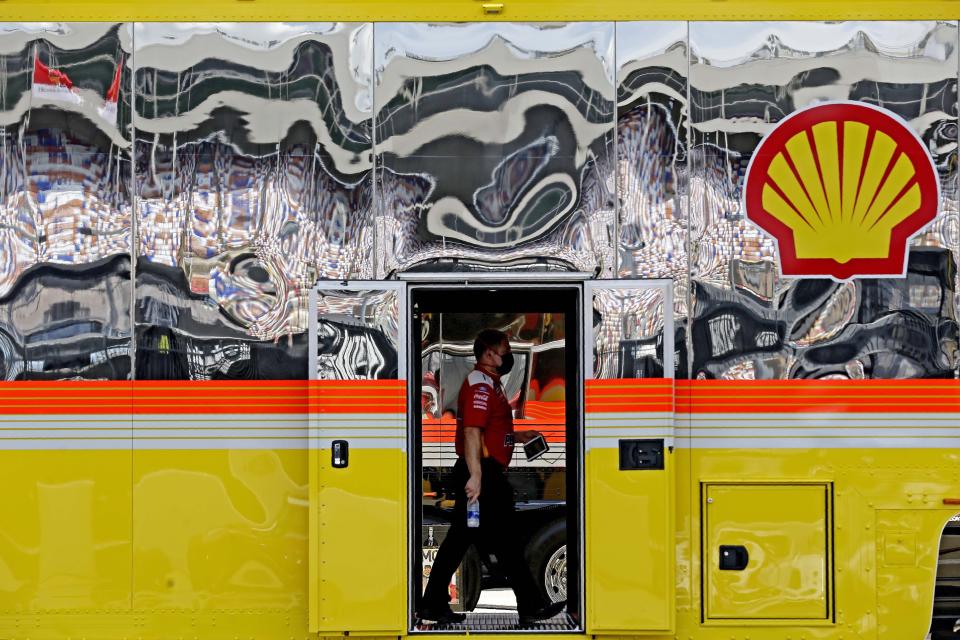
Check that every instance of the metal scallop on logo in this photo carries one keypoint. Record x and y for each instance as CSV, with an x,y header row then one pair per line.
x,y
842,187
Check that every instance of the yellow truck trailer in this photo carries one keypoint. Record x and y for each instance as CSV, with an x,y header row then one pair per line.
x,y
245,247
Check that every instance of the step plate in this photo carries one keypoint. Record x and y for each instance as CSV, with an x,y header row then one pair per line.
x,y
501,622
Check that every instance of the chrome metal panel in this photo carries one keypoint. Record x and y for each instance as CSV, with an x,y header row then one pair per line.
x,y
652,167
358,334
494,145
748,322
254,180
65,202
628,331
652,151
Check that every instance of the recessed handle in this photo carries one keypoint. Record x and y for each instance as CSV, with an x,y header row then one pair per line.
x,y
733,557
340,454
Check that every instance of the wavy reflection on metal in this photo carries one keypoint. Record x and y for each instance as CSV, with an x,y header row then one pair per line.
x,y
747,321
358,335
254,180
65,203
652,150
628,333
495,145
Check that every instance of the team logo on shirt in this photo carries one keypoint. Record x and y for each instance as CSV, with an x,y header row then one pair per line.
x,y
842,187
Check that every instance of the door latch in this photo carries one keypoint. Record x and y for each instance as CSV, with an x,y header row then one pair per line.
x,y
340,454
733,557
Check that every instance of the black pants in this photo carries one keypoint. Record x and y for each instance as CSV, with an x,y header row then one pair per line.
x,y
496,534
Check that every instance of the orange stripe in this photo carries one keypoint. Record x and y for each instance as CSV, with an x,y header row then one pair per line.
x,y
644,395
201,397
358,396
389,396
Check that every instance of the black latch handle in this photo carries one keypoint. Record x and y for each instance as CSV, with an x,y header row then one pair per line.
x,y
340,454
733,557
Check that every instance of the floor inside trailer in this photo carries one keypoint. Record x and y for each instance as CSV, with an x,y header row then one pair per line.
x,y
497,611
504,621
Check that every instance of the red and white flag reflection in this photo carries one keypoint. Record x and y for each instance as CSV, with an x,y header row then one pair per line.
x,y
52,84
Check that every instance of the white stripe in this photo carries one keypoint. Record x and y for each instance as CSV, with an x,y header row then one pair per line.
x,y
201,431
822,419
823,432
818,443
818,430
613,442
363,443
360,433
632,415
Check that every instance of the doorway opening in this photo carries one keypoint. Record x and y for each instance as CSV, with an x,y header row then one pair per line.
x,y
945,624
544,391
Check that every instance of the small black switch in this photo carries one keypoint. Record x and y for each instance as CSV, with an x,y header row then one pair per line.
x,y
340,454
641,454
733,558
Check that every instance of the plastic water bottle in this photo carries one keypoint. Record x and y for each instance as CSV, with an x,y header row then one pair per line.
x,y
473,514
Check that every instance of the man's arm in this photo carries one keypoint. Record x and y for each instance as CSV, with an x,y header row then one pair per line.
x,y
472,448
525,436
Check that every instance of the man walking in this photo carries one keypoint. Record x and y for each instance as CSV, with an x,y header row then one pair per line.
x,y
484,445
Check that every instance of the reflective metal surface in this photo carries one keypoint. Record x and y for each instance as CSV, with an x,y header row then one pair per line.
x,y
358,335
748,322
65,202
628,326
253,170
253,176
652,168
494,145
652,151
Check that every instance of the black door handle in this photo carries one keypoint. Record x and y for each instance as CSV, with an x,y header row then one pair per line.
x,y
733,557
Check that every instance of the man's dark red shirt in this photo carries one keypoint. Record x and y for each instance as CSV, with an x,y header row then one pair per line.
x,y
483,404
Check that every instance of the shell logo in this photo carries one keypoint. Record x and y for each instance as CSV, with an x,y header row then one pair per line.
x,y
841,187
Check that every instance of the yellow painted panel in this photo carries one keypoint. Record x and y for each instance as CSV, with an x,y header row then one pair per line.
x,y
220,530
784,530
361,543
629,545
473,10
908,546
65,530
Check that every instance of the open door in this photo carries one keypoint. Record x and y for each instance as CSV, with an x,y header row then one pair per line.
x,y
629,467
358,481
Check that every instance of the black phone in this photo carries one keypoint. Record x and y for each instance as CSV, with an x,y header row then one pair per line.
x,y
535,448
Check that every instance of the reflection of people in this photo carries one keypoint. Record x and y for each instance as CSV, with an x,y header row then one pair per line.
x,y
484,444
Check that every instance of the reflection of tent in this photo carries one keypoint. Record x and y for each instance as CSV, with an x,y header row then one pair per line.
x,y
52,84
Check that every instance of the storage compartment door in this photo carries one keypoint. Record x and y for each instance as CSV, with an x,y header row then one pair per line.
x,y
358,482
766,551
629,467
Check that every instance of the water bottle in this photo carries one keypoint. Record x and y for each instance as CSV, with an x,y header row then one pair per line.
x,y
473,514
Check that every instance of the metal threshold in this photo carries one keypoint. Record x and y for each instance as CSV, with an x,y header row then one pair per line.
x,y
501,623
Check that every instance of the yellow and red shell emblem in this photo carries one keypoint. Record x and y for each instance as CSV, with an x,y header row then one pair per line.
x,y
842,187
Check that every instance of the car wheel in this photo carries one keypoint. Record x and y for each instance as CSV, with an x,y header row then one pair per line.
x,y
547,557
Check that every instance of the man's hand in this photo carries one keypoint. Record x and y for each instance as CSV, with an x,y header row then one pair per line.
x,y
525,436
473,488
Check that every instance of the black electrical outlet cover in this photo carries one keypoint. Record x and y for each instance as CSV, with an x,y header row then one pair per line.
x,y
641,454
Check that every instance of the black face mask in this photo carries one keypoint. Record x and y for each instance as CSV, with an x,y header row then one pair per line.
x,y
506,366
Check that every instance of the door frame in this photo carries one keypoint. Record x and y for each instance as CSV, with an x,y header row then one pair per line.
x,y
500,281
